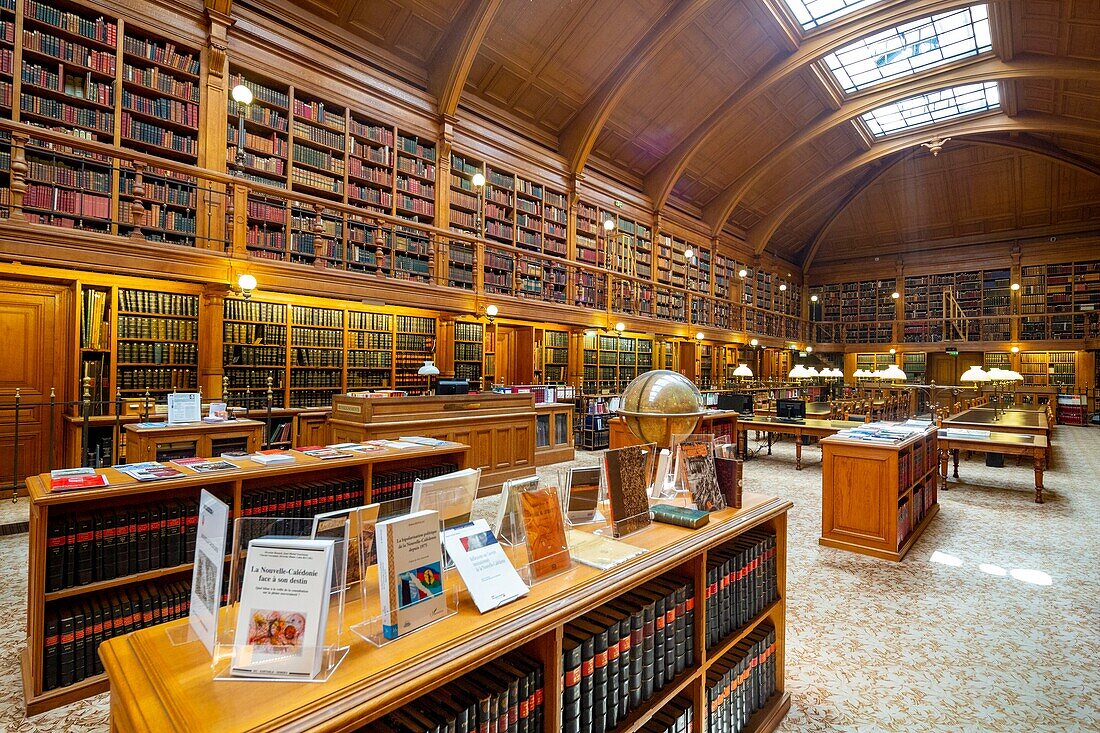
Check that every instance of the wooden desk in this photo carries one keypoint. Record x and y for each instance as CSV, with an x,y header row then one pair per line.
x,y
125,491
499,428
1024,422
202,439
877,499
770,425
1014,444
156,686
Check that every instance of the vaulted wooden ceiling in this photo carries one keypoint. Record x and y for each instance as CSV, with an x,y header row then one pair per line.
x,y
723,107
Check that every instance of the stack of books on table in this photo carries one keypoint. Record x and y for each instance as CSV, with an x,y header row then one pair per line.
x,y
885,433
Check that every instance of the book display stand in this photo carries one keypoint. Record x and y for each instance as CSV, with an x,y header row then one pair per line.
x,y
544,552
367,623
282,642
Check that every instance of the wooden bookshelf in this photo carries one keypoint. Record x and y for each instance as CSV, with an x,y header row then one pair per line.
x,y
415,342
316,355
877,499
124,492
469,340
372,683
370,340
609,362
555,357
254,346
1049,369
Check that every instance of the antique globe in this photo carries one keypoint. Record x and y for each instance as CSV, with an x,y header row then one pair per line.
x,y
659,404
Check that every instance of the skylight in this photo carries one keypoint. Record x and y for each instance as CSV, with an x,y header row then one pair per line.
x,y
911,47
933,107
814,13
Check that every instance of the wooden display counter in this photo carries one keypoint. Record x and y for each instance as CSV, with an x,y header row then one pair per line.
x,y
51,512
205,440
499,428
156,686
719,423
877,499
553,433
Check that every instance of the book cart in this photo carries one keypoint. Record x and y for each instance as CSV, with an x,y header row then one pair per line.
x,y
158,686
375,475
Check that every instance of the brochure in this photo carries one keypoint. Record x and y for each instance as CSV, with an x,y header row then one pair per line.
x,y
268,457
205,465
184,407
490,578
283,610
322,452
206,577
149,471
360,523
70,479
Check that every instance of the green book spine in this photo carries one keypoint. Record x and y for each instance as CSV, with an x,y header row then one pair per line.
x,y
678,515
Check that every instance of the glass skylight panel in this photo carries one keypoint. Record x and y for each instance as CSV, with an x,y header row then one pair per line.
x,y
911,47
933,107
814,13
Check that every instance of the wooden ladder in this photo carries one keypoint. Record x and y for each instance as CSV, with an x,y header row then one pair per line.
x,y
956,323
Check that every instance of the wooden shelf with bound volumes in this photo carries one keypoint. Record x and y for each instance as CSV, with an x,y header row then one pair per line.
x,y
50,513
157,686
877,499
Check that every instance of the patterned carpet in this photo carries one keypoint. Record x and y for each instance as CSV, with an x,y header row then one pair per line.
x,y
990,624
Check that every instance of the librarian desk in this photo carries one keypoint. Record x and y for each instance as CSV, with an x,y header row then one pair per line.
x,y
164,442
1023,422
1033,446
808,428
125,491
157,686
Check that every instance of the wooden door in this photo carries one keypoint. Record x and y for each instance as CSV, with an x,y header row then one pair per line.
x,y
34,321
505,357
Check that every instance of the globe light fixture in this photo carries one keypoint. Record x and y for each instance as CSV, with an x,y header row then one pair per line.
x,y
754,342
478,179
246,284
742,272
620,326
798,372
1015,286
1015,349
698,335
895,295
783,287
608,224
242,95
689,253
813,298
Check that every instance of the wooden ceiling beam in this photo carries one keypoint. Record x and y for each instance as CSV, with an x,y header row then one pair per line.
x,y
218,6
861,185
758,237
660,181
451,63
971,71
577,139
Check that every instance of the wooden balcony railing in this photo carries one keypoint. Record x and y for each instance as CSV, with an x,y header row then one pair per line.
x,y
57,179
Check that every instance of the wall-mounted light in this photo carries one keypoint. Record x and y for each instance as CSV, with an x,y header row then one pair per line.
x,y
1015,286
478,179
742,272
698,335
620,326
245,285
783,287
754,342
689,253
491,312
608,224
809,349
895,295
1015,349
893,351
813,298
242,95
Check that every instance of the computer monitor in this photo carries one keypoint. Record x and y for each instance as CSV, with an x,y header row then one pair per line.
x,y
790,409
452,386
736,401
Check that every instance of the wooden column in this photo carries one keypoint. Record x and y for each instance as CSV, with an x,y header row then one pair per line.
x,y
573,200
899,304
443,148
211,205
1015,276
211,314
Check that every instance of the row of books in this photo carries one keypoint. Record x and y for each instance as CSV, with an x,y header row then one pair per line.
x,y
254,310
621,654
501,696
165,54
149,301
73,631
154,79
237,355
112,543
157,328
317,358
184,113
137,378
741,682
143,132
303,500
65,201
95,327
742,581
158,353
312,398
63,50
257,334
395,487
97,30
